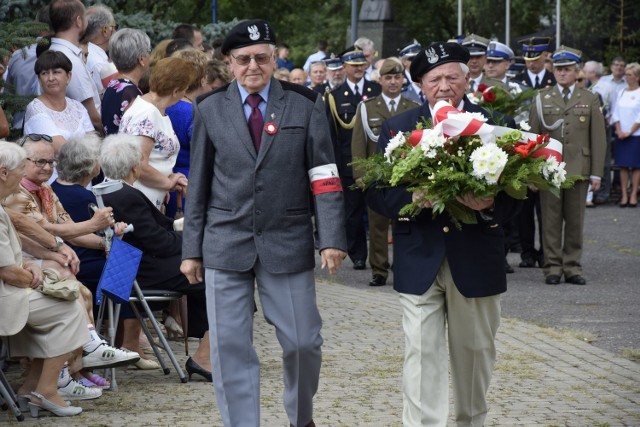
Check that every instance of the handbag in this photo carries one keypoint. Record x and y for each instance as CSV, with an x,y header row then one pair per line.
x,y
54,286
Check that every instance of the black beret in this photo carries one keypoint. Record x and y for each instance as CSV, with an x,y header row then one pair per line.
x,y
436,54
248,33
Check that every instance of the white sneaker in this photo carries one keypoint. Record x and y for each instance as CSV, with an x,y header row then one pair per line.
x,y
106,356
76,391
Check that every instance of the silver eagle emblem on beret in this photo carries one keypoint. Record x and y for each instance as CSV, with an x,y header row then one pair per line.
x,y
254,34
432,56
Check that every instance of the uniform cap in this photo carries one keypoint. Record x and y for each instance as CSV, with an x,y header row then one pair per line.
x,y
333,62
477,45
533,47
499,52
410,50
391,65
566,56
354,56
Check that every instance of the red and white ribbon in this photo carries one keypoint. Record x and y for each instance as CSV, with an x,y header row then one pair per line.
x,y
456,123
325,179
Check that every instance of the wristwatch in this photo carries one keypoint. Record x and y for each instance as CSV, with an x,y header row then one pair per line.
x,y
58,245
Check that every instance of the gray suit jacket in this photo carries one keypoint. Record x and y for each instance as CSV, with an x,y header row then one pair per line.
x,y
242,204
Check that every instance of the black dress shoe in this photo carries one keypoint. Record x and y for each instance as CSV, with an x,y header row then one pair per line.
x,y
576,280
527,263
552,279
378,280
507,267
359,264
193,368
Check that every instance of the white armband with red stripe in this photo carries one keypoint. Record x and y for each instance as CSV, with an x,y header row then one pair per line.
x,y
325,179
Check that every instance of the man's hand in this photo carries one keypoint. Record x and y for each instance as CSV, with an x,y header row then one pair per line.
x,y
476,203
192,269
595,184
332,258
420,197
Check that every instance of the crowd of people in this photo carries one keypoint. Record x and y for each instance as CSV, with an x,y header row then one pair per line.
x,y
256,154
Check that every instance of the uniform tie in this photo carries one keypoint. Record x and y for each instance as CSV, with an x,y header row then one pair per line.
x,y
537,86
256,122
392,106
472,85
357,91
565,94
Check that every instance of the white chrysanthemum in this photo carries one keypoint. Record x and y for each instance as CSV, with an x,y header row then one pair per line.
x,y
550,167
431,138
525,126
488,162
514,88
560,175
397,141
469,116
473,98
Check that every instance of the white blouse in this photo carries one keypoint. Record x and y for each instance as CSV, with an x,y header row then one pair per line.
x,y
142,118
627,110
72,122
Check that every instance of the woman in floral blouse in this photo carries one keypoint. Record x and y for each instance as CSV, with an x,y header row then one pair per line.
x,y
146,118
129,50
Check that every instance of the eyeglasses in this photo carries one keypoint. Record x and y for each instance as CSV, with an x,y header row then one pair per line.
x,y
35,137
42,162
261,58
580,79
113,27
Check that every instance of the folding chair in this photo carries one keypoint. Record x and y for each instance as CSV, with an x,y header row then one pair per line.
x,y
7,396
118,286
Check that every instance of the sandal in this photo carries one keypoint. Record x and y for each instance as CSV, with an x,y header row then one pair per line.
x,y
99,381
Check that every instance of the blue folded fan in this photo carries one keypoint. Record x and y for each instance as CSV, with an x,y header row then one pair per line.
x,y
119,272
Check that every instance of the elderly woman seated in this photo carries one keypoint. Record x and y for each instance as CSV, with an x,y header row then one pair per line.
x,y
120,158
77,165
36,199
45,329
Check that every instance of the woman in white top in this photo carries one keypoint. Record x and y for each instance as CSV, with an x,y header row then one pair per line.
x,y
146,119
626,121
52,113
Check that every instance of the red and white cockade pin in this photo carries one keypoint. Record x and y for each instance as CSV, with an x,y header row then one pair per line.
x,y
271,128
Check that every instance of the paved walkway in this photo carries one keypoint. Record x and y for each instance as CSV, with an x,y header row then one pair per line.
x,y
542,377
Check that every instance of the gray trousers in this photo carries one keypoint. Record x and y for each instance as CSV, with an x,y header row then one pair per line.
x,y
289,303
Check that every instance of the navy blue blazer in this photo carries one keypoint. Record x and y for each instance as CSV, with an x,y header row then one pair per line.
x,y
420,244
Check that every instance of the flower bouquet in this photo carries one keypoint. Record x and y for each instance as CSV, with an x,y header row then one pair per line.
x,y
463,154
512,101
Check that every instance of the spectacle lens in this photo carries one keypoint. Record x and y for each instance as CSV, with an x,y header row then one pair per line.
x,y
261,59
42,162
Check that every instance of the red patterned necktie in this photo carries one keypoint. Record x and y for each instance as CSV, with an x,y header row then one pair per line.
x,y
256,122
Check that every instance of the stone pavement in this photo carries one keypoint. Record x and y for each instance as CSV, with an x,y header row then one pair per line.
x,y
543,377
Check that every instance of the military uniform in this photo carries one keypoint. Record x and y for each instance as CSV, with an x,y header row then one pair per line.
x,y
364,142
579,125
341,109
532,49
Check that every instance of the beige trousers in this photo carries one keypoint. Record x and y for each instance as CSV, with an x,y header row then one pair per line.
x,y
472,325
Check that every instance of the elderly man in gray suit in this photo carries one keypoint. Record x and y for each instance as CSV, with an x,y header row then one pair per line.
x,y
260,147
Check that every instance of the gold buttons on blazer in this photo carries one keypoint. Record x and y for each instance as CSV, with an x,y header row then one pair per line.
x,y
445,229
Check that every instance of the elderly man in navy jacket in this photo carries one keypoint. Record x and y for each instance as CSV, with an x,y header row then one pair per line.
x,y
445,277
